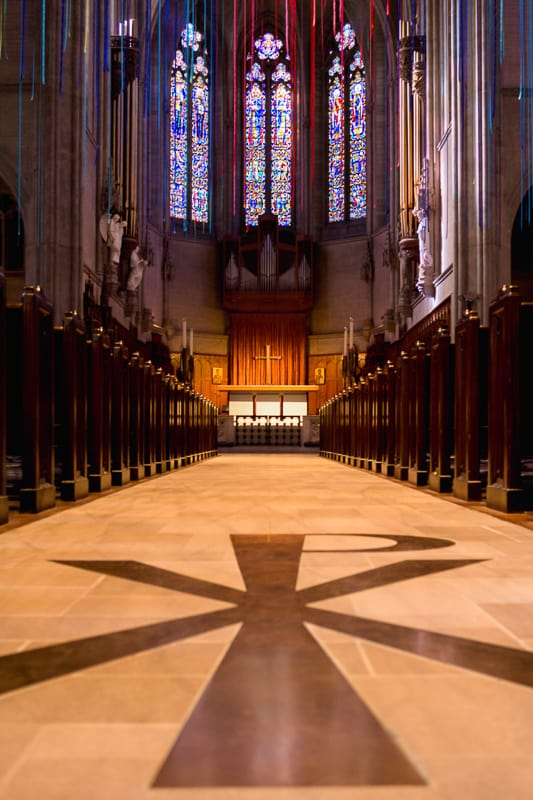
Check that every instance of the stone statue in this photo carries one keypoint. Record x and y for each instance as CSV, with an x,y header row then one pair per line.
x,y
136,271
115,232
425,259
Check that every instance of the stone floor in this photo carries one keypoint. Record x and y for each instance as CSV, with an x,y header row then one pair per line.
x,y
266,627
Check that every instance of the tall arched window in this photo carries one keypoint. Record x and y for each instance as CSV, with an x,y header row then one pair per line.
x,y
189,130
268,133
346,130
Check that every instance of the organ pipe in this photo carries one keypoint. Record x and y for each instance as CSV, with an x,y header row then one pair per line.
x,y
125,106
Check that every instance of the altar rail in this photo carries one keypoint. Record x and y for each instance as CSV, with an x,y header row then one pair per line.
x,y
455,416
79,412
269,431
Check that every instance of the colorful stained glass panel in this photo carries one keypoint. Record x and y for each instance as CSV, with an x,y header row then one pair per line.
x,y
281,138
268,170
346,133
268,47
346,37
200,144
357,141
178,138
336,144
255,158
189,132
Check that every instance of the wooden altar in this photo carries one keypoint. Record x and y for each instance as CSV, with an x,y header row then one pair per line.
x,y
268,400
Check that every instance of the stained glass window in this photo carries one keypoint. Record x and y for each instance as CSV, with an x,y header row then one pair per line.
x,y
346,130
189,130
268,133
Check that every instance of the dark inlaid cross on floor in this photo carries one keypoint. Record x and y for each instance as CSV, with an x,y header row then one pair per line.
x,y
277,712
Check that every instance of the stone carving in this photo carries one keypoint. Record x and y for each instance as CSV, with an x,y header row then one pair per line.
x,y
112,231
115,232
424,281
136,271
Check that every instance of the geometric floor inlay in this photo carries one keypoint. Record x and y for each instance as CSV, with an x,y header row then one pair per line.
x,y
277,711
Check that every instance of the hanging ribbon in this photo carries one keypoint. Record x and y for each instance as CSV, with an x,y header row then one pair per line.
x,y
147,57
43,42
388,139
312,89
234,165
521,102
501,32
3,15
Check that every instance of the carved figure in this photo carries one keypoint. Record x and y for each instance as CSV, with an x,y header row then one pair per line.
x,y
136,271
425,257
115,232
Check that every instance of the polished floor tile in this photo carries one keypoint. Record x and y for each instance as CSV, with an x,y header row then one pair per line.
x,y
266,627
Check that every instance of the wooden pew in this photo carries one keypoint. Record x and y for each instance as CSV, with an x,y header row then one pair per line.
x,y
355,419
323,415
344,427
402,418
99,411
180,421
188,434
379,419
366,419
160,422
202,433
351,438
418,394
213,428
391,393
30,400
4,506
510,444
120,415
149,419
441,411
173,423
71,408
361,389
137,417
194,426
471,352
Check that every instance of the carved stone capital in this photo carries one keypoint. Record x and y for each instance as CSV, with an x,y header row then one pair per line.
x,y
419,77
407,47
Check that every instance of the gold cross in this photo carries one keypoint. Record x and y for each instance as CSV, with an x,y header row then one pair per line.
x,y
268,358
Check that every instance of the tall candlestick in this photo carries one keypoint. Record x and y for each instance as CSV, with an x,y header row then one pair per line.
x,y
184,334
345,349
191,333
351,333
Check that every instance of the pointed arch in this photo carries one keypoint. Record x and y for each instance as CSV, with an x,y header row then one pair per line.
x,y
269,137
190,129
346,114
